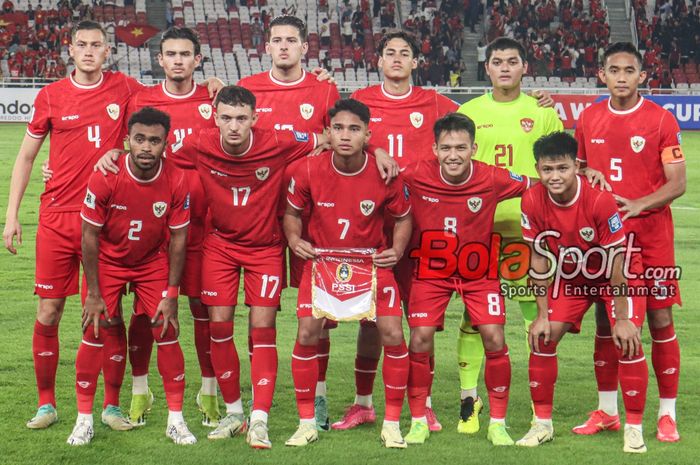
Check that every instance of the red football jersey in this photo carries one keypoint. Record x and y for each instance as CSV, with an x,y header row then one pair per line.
x,y
84,122
134,214
301,105
347,210
188,113
402,125
630,147
589,220
465,209
243,191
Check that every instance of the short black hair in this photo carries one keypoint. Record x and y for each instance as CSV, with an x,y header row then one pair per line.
x,y
505,43
556,145
405,36
149,116
235,96
353,106
454,122
289,20
622,47
87,26
177,32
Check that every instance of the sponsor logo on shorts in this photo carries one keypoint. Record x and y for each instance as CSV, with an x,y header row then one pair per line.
x,y
46,287
418,315
209,293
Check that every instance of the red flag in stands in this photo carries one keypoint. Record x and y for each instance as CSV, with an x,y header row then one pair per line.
x,y
135,34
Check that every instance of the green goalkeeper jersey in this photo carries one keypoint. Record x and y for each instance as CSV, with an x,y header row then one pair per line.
x,y
505,134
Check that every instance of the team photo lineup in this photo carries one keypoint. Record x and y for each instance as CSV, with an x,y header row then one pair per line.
x,y
381,209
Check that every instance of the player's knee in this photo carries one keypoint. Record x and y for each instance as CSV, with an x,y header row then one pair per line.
x,y
49,311
493,340
392,336
660,318
307,335
421,341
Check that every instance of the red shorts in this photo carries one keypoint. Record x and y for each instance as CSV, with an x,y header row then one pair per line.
x,y
429,299
388,302
654,235
221,268
58,254
568,307
403,272
147,282
191,281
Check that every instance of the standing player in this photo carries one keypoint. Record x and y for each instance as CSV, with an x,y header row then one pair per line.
x,y
454,199
508,122
242,171
636,144
564,213
348,201
84,115
126,220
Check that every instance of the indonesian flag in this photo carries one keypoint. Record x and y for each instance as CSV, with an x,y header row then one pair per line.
x,y
136,34
344,285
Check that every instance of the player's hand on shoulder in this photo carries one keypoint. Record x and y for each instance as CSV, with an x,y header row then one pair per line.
x,y
629,207
386,258
12,229
540,327
322,74
107,163
46,172
167,308
626,337
544,98
214,85
303,249
596,178
388,168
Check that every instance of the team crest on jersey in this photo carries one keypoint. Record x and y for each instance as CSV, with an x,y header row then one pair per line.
x,y
262,173
637,143
416,119
113,111
527,124
474,204
343,273
587,233
205,110
306,110
159,209
367,207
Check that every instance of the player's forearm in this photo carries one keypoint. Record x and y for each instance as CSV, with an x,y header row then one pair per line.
x,y
617,280
539,264
664,195
402,233
292,226
176,255
21,174
90,245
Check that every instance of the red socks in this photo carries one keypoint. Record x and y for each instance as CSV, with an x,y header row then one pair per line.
x,y
395,373
418,382
171,366
202,338
634,378
45,350
88,363
497,380
666,360
543,376
140,344
431,361
365,371
225,360
305,374
113,362
324,350
605,360
263,370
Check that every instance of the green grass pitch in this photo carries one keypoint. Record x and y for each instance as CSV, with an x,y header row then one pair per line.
x,y
575,396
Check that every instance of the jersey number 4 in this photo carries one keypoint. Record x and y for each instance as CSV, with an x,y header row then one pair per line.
x,y
93,134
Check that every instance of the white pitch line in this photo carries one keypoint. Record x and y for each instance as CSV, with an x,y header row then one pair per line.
x,y
685,208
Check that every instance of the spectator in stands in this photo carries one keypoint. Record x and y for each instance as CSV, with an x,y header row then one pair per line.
x,y
481,61
169,14
256,32
347,31
8,7
325,32
358,56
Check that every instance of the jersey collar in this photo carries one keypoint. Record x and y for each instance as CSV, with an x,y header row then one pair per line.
x,y
396,97
350,174
90,86
250,145
144,181
626,112
471,173
574,200
179,96
290,83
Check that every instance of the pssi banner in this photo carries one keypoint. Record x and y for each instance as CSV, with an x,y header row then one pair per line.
x,y
686,108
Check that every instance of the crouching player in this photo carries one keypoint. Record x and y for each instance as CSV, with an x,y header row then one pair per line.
x,y
126,219
454,200
569,222
348,200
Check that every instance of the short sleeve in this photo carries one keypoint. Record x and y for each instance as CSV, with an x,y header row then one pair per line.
x,y
580,140
180,207
399,199
298,190
529,222
508,184
445,105
295,144
95,206
670,140
187,151
40,124
554,124
608,220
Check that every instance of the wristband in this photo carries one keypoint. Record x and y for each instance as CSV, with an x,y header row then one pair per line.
x,y
171,293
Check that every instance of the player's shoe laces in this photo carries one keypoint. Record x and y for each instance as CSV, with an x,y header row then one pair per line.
x,y
418,433
229,426
433,422
469,415
498,435
82,433
304,435
355,415
257,436
597,422
45,417
209,406
140,405
323,422
391,437
539,434
666,430
113,417
634,441
180,433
